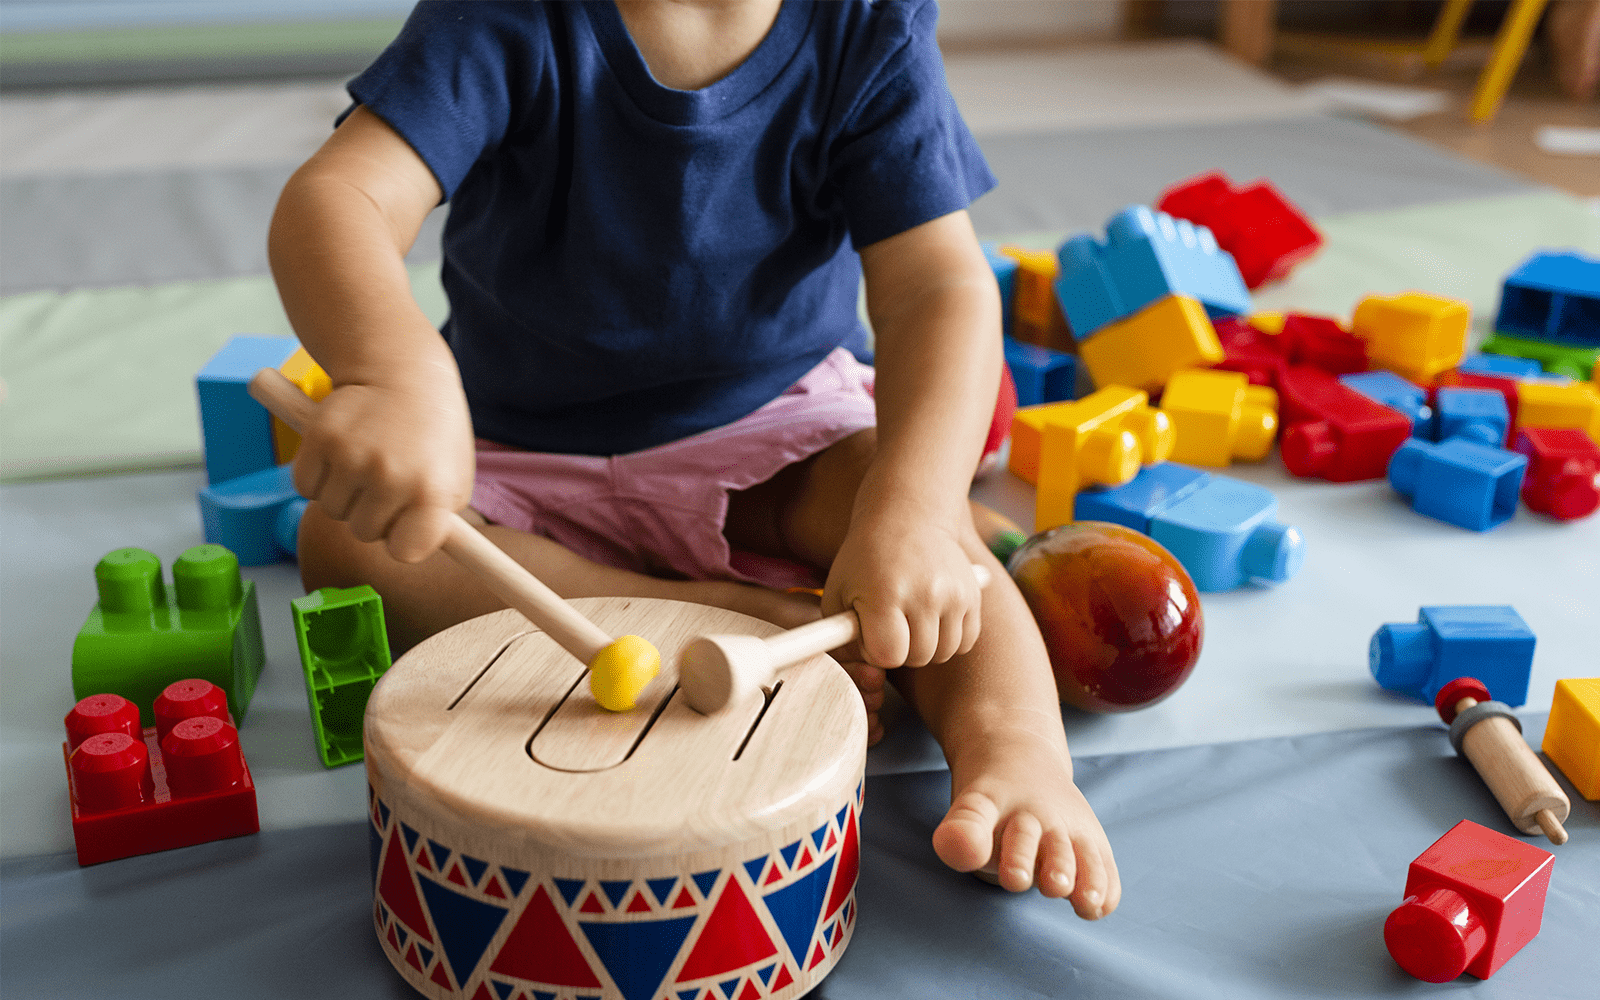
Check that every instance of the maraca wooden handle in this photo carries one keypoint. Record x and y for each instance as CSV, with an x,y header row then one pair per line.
x,y
503,575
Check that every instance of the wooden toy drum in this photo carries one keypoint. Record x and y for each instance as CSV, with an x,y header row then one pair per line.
x,y
529,845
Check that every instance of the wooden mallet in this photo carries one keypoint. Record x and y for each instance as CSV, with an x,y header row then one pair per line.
x,y
1490,736
618,668
720,670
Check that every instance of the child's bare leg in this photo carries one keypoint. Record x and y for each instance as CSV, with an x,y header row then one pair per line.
x,y
423,598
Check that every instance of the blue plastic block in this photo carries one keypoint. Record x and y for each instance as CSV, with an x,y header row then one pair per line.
x,y
1396,393
1147,255
1226,534
1041,374
257,516
1474,414
237,430
1554,297
1135,502
1465,483
1501,364
1490,642
1005,272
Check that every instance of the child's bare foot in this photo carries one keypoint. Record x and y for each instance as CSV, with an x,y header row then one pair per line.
x,y
1016,813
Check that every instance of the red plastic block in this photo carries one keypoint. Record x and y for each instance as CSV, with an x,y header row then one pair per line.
x,y
1563,478
1472,901
1322,343
1334,432
1250,351
134,792
1264,231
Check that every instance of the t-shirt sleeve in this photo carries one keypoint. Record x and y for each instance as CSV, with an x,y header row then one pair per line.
x,y
904,155
456,79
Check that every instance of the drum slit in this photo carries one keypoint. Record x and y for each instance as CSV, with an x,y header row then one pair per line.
x,y
770,693
480,674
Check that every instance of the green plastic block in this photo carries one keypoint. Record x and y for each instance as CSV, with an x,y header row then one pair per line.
x,y
142,634
1558,359
343,650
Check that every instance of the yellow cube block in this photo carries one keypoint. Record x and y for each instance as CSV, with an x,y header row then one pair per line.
x,y
1219,416
1572,736
1027,438
1102,438
1143,350
1414,335
1549,404
314,382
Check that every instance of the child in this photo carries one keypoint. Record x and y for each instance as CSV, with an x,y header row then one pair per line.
x,y
652,264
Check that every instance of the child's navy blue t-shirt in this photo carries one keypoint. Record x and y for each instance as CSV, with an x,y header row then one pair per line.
x,y
629,264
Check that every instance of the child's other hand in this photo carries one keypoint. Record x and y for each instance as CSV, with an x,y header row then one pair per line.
x,y
393,462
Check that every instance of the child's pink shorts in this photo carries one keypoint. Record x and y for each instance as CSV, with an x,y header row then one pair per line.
x,y
661,511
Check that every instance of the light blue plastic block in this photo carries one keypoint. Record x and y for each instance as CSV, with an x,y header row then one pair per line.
x,y
1470,485
1041,374
1005,273
1555,297
1132,504
257,516
1147,255
237,430
1501,364
1226,534
1490,642
1396,393
1474,414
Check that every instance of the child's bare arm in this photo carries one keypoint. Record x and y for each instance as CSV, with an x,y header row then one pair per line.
x,y
905,565
390,449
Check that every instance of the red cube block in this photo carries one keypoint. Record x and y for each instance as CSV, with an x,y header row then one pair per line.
x,y
1332,431
1249,351
1266,234
1322,343
1472,900
1563,478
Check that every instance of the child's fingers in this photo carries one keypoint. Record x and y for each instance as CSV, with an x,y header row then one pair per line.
x,y
885,635
375,514
418,532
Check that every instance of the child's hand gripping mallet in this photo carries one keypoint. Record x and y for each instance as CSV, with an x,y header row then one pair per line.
x,y
618,668
719,670
1490,736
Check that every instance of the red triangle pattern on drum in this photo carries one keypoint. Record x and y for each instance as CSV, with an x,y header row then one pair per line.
x,y
684,899
456,876
492,888
411,957
482,994
782,979
592,905
816,956
732,937
541,949
639,904
441,977
398,891
844,881
750,992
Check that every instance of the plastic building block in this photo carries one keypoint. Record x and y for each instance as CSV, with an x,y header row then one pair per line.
x,y
1576,404
1503,384
1146,256
142,635
1266,234
1249,350
1553,297
1005,275
140,790
256,516
1041,375
1332,431
1218,416
1464,483
1563,478
1036,316
1413,334
1489,642
1474,414
1135,502
1572,733
1576,363
1102,438
1322,343
1144,350
1472,900
1500,364
314,382
343,651
1396,393
237,430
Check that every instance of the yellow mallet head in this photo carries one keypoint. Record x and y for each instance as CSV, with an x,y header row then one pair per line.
x,y
621,670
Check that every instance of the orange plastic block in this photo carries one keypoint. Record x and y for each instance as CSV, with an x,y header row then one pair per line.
x,y
1036,312
1414,335
1100,439
314,382
1548,404
1219,416
1145,349
1572,736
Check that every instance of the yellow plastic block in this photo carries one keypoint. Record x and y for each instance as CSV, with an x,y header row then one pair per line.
x,y
1414,335
1036,315
1267,322
1219,416
1102,438
1548,404
1143,350
1572,736
1027,438
314,382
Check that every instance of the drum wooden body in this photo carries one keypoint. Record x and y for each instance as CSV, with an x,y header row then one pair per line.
x,y
527,844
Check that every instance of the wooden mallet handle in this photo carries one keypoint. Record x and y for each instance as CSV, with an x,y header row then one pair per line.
x,y
1492,740
503,575
717,670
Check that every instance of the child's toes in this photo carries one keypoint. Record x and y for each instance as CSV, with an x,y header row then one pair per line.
x,y
1019,852
965,839
1098,889
1058,866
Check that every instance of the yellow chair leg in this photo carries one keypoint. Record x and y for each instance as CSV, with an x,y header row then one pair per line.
x,y
1446,32
1509,46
